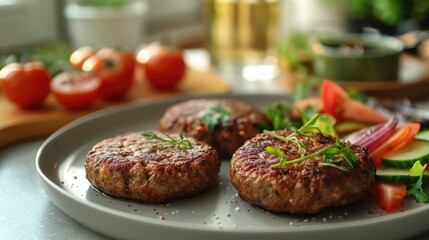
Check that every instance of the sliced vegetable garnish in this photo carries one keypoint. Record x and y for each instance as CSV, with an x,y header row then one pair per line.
x,y
423,135
337,103
350,126
389,196
406,157
358,111
373,136
390,143
332,97
399,175
414,130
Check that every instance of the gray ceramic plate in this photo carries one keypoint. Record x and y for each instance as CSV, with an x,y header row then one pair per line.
x,y
218,213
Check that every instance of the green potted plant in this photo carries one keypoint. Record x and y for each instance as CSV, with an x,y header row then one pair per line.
x,y
115,23
390,17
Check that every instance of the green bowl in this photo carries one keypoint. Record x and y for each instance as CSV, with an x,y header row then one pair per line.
x,y
357,58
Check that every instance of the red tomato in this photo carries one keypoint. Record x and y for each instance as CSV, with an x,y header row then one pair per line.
x,y
338,104
80,55
114,69
332,97
26,85
76,90
164,67
389,196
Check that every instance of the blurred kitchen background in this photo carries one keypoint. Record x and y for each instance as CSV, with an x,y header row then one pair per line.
x,y
27,22
183,24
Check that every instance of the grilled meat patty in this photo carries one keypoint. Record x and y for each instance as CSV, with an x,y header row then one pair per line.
x,y
300,188
134,167
225,124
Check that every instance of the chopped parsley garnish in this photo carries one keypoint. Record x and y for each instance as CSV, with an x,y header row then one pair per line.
x,y
169,140
217,115
278,114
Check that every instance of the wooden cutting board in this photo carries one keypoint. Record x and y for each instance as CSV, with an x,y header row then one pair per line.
x,y
17,124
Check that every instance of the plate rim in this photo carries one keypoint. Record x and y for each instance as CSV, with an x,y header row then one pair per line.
x,y
49,185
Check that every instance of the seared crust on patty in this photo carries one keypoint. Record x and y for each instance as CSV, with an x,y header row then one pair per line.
x,y
300,188
133,167
241,124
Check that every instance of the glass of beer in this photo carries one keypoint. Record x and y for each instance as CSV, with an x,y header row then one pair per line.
x,y
241,37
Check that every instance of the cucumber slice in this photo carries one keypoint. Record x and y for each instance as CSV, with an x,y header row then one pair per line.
x,y
406,157
423,135
350,126
398,175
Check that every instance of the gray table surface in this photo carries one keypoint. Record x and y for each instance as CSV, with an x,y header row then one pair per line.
x,y
25,210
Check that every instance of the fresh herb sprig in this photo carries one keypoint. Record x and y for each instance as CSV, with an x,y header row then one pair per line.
x,y
217,115
308,130
169,140
332,155
416,189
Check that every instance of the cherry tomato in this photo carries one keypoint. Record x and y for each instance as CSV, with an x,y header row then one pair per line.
x,y
164,67
26,85
76,90
115,69
80,55
389,196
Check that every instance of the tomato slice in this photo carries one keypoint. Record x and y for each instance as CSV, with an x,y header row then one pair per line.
x,y
76,90
389,144
389,196
358,111
332,97
338,104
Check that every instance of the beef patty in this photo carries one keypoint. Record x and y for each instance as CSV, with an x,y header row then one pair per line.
x,y
225,124
304,187
132,166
